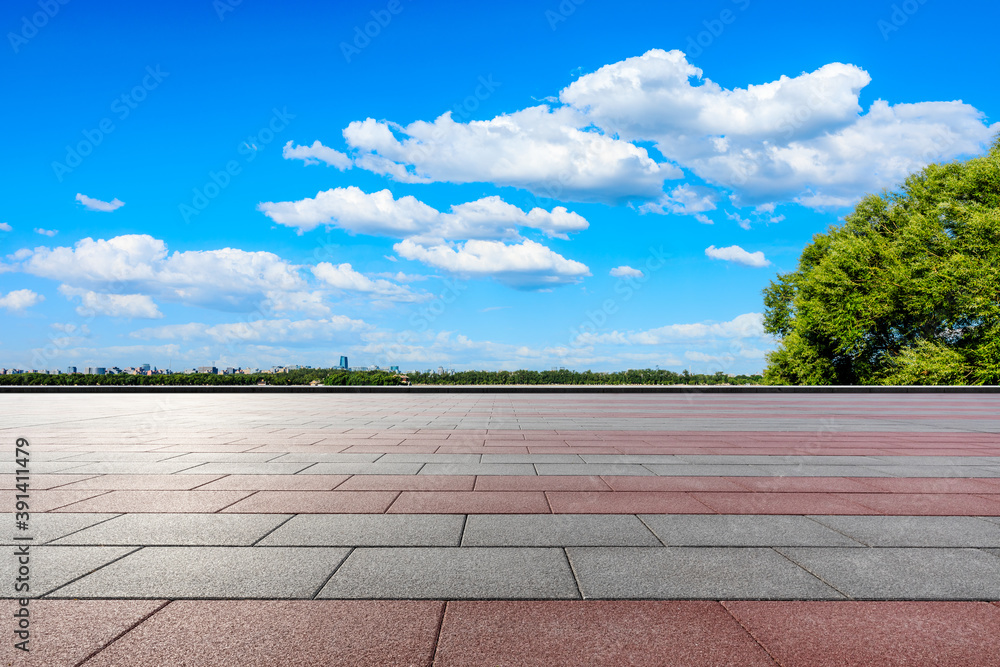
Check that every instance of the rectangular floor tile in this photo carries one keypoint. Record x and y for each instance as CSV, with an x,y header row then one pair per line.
x,y
48,526
692,573
636,633
620,469
363,469
832,634
453,573
783,503
211,572
51,567
540,483
477,469
315,502
275,483
157,501
560,530
728,530
470,502
369,530
939,504
329,632
625,502
409,483
903,574
672,484
916,531
178,529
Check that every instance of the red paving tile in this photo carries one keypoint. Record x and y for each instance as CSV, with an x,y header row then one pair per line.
x,y
625,502
64,632
817,634
409,483
314,502
930,504
640,483
930,484
470,502
783,503
156,501
802,484
318,632
540,483
276,483
138,482
594,633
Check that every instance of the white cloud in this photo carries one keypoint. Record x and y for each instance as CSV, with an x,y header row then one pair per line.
x,y
801,138
5,227
625,272
527,264
20,300
344,277
113,305
380,214
747,325
92,204
550,153
46,232
315,154
229,279
285,331
684,200
738,255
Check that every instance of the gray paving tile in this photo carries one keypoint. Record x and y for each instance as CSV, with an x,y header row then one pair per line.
x,y
903,574
560,530
326,468
991,519
698,470
179,529
429,458
631,458
44,467
227,457
915,531
369,530
940,460
133,468
229,468
48,526
454,573
728,530
692,573
532,458
802,470
52,567
211,572
478,469
590,469
937,471
326,457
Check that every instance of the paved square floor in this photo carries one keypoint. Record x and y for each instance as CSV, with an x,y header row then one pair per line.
x,y
505,528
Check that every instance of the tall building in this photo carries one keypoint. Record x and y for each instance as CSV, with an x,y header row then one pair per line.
x,y
343,363
71,369
144,368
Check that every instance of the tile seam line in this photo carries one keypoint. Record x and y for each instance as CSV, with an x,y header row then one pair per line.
x,y
219,511
722,603
336,569
127,630
440,630
53,509
193,488
111,518
265,535
804,568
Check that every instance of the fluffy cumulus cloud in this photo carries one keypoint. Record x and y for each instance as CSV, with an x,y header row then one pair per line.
x,y
315,154
229,279
625,272
333,329
738,255
380,214
748,325
5,227
549,152
527,265
20,300
803,138
344,277
113,305
92,204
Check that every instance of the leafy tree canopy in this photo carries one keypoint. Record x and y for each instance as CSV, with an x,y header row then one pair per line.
x,y
905,291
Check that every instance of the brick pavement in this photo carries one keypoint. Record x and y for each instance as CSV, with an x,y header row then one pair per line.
x,y
509,529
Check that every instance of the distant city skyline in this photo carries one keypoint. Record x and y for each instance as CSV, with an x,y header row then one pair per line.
x,y
519,185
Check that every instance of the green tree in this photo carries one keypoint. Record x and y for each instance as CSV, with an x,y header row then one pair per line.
x,y
905,291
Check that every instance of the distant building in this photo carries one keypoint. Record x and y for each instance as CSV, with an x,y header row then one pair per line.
x,y
343,363
143,368
208,369
95,370
394,369
71,369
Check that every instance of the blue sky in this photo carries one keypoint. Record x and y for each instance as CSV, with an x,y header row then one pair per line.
x,y
600,185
